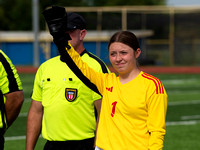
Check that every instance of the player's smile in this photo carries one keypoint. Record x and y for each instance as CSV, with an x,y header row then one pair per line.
x,y
121,57
120,65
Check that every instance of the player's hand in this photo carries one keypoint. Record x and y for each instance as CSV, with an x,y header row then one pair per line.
x,y
56,19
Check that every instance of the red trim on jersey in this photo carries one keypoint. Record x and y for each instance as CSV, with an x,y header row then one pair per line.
x,y
158,84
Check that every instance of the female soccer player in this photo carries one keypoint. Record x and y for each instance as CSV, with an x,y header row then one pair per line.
x,y
134,103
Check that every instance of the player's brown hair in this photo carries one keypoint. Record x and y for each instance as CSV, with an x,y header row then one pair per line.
x,y
125,37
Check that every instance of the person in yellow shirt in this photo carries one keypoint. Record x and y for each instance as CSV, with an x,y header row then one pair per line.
x,y
63,107
11,95
134,103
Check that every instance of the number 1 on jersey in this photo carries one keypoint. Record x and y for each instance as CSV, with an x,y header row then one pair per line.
x,y
113,108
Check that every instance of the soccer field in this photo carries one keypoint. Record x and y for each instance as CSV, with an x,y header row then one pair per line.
x,y
183,115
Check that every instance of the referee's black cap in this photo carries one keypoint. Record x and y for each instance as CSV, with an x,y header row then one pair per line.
x,y
75,21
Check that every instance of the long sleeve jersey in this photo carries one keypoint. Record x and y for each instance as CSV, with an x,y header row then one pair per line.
x,y
132,114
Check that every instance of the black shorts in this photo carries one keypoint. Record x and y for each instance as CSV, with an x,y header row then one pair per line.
x,y
2,142
87,144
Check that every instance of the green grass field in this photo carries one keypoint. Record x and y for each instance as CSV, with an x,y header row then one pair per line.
x,y
183,115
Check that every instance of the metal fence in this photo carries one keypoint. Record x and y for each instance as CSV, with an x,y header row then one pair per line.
x,y
170,35
176,38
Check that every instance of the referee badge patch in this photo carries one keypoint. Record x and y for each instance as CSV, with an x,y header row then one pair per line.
x,y
70,94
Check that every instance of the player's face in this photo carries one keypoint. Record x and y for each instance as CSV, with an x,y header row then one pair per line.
x,y
122,57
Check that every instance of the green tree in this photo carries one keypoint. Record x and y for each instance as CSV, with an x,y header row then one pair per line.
x,y
17,14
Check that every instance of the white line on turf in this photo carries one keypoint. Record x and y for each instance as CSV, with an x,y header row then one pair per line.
x,y
190,117
12,138
184,102
23,114
174,123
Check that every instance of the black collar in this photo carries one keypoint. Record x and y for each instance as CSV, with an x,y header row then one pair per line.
x,y
83,52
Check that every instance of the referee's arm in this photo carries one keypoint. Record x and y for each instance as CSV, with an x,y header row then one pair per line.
x,y
34,124
97,104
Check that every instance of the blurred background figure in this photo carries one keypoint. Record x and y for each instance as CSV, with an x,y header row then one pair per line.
x,y
11,95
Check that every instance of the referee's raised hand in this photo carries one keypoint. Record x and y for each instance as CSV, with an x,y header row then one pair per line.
x,y
56,19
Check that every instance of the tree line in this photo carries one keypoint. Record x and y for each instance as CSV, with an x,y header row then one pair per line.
x,y
17,14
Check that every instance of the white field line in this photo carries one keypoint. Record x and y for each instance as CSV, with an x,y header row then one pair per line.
x,y
12,138
23,115
184,103
179,81
188,122
27,100
190,117
175,123
186,119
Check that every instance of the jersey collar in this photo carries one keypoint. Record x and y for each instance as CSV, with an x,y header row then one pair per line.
x,y
84,51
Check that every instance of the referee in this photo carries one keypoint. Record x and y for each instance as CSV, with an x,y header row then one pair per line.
x,y
11,95
63,107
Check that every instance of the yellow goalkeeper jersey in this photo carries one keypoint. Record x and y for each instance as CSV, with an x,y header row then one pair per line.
x,y
132,114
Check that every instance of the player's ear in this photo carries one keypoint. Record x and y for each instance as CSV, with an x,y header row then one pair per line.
x,y
137,53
